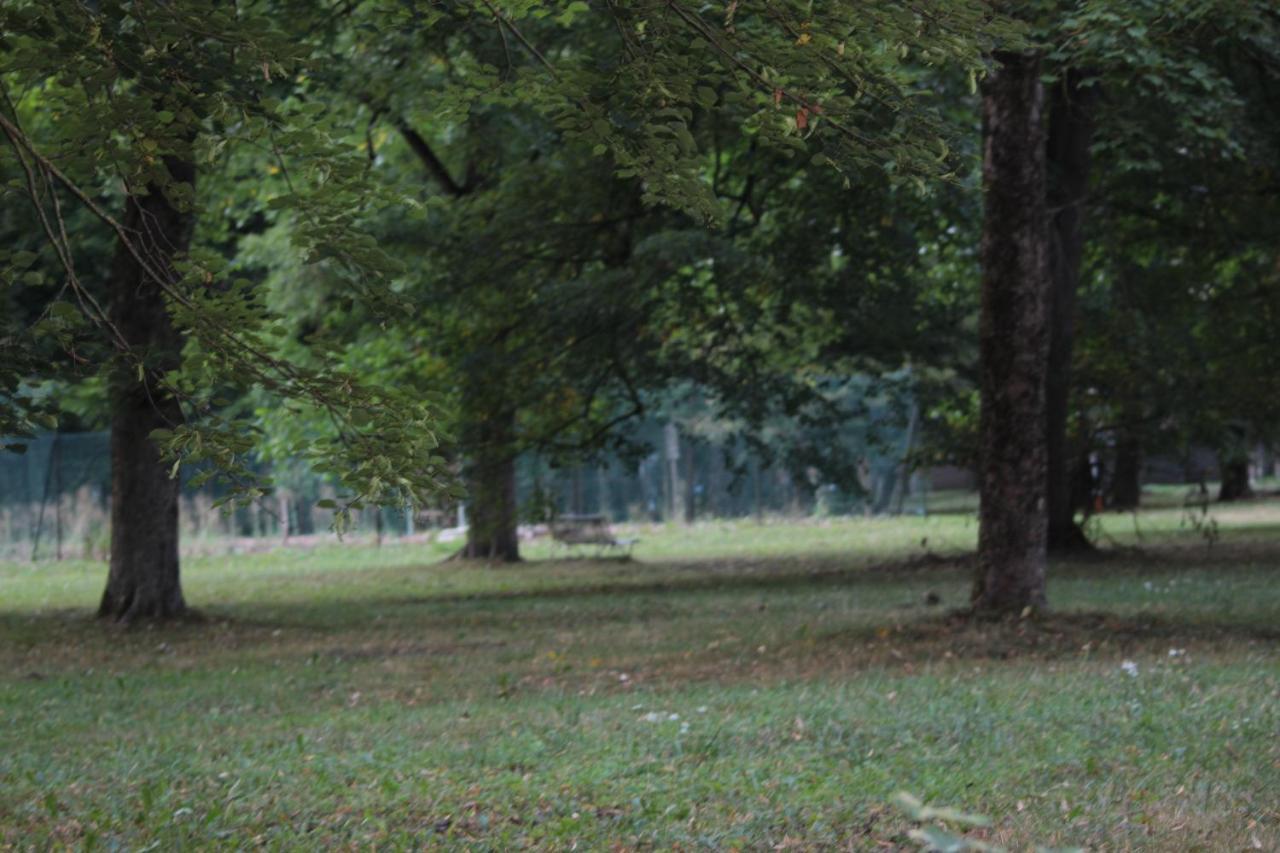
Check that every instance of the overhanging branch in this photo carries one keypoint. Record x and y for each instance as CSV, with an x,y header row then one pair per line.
x,y
433,164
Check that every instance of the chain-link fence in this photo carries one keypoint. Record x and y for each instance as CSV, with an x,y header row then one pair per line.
x,y
54,498
55,503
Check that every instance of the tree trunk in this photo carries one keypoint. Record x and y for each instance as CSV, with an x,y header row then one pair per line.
x,y
302,512
908,450
282,502
1083,495
244,521
671,481
1067,150
143,582
1126,476
575,481
603,505
757,504
1235,478
690,483
1013,345
491,480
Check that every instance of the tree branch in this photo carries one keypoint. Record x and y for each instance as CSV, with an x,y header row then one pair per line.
x,y
433,164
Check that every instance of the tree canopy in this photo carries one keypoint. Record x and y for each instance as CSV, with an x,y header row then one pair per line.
x,y
399,244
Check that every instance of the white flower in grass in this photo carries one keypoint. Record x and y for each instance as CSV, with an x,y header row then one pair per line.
x,y
1130,668
1177,653
661,716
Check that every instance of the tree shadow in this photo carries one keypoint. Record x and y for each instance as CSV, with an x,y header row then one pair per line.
x,y
916,632
1054,635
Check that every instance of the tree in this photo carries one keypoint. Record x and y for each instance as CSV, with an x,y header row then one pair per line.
x,y
142,579
1013,340
1068,142
1179,279
142,94
515,110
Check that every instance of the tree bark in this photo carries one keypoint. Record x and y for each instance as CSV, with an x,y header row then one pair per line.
x,y
1067,151
1235,478
492,533
143,581
1126,476
1013,345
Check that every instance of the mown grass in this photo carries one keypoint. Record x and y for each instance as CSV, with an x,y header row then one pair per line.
x,y
735,686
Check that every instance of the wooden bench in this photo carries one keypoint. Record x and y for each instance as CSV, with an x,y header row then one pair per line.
x,y
570,530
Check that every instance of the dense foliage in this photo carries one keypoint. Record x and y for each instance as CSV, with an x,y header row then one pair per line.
x,y
420,239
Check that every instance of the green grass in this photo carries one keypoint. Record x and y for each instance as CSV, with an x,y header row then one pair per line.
x,y
734,686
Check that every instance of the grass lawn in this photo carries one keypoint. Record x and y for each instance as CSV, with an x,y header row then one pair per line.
x,y
735,686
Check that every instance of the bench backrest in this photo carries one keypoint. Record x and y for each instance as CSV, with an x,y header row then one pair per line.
x,y
581,530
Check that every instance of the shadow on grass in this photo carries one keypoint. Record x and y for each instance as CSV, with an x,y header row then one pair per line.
x,y
926,641
1242,531
389,665
389,623
1049,636
799,572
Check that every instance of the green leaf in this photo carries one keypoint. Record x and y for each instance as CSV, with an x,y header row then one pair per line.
x,y
937,840
64,311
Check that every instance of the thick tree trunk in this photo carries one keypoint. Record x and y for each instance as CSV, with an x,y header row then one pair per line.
x,y
1235,478
1126,476
1067,150
143,582
492,533
1083,493
1013,342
